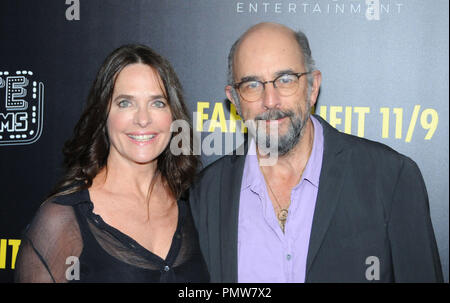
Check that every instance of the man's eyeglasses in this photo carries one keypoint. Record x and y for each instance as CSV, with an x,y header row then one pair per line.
x,y
286,85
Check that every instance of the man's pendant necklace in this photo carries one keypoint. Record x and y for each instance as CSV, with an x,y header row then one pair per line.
x,y
282,218
283,212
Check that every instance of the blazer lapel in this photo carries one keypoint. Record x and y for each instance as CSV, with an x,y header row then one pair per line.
x,y
229,216
334,163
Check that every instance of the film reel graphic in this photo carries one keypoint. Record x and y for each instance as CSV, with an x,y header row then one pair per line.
x,y
21,107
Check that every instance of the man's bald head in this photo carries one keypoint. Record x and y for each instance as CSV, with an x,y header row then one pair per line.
x,y
268,30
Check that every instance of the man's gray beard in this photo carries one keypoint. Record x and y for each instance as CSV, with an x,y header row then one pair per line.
x,y
286,142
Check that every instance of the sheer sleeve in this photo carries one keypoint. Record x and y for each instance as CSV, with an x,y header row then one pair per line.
x,y
48,242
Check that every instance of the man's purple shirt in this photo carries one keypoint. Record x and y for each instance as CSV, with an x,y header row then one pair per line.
x,y
265,254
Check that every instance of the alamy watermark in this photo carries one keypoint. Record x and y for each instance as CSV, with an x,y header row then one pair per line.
x,y
373,271
73,271
73,11
265,136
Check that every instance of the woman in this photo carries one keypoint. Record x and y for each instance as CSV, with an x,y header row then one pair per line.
x,y
118,214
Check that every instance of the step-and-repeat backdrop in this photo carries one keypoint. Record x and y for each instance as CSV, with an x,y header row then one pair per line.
x,y
384,64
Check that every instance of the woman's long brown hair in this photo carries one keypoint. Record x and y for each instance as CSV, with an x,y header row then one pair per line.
x,y
86,152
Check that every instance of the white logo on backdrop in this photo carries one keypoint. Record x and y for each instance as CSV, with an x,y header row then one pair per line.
x,y
372,10
21,110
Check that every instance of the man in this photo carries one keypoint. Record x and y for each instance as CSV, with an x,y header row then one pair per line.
x,y
333,207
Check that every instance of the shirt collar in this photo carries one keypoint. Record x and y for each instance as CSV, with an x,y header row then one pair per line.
x,y
252,176
74,198
312,169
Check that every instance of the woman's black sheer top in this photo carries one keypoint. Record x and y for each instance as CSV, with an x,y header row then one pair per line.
x,y
66,231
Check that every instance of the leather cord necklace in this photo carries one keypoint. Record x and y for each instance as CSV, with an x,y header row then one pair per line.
x,y
282,212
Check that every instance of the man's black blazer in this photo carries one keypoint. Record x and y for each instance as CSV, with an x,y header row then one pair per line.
x,y
372,202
